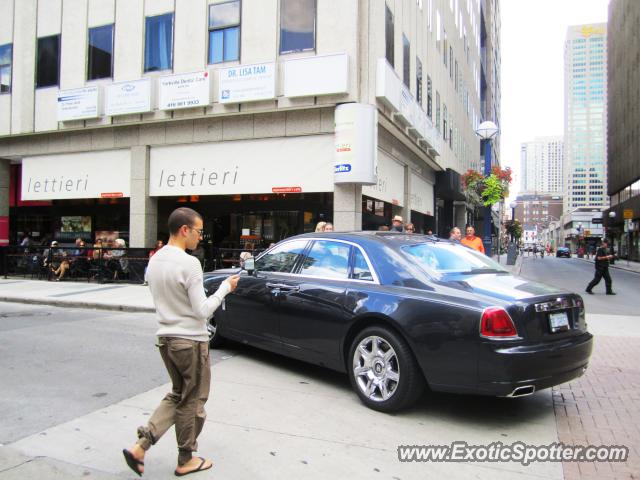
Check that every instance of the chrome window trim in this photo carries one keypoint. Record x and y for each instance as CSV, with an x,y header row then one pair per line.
x,y
374,274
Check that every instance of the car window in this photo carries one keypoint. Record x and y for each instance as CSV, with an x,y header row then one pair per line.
x,y
448,258
281,258
327,259
361,269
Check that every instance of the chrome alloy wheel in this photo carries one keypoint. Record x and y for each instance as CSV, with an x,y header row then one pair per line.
x,y
376,368
211,328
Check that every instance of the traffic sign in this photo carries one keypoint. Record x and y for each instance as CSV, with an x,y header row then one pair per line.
x,y
627,213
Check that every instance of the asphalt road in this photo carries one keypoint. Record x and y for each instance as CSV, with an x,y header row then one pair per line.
x,y
61,363
574,274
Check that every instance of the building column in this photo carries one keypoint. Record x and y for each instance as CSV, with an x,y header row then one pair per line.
x,y
4,200
406,209
143,210
460,215
347,207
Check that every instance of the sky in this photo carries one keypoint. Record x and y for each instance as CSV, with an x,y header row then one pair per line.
x,y
532,47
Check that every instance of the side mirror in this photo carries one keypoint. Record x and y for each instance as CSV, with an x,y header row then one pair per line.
x,y
249,265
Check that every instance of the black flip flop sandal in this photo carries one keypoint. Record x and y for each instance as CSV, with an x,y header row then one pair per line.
x,y
132,461
199,469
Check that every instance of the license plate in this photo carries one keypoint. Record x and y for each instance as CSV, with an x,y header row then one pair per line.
x,y
559,322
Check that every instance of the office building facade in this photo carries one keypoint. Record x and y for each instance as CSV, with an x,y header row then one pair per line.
x,y
115,112
541,163
585,116
623,154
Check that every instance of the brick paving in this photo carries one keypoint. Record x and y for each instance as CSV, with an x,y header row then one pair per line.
x,y
603,408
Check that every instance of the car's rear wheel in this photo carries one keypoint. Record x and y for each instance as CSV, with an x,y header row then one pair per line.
x,y
215,339
383,370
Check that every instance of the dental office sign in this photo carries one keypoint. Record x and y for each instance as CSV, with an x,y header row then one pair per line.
x,y
248,83
76,175
128,97
189,90
78,104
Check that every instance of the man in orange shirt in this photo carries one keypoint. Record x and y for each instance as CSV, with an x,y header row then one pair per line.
x,y
472,241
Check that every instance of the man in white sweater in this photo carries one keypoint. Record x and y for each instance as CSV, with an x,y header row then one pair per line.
x,y
175,280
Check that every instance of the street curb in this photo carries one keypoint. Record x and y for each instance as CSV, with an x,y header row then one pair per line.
x,y
611,266
517,268
78,304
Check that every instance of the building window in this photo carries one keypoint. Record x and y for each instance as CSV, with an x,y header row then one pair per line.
x,y
100,52
450,62
297,25
48,65
5,68
406,65
455,84
388,34
445,132
158,43
224,32
445,48
437,110
429,99
418,81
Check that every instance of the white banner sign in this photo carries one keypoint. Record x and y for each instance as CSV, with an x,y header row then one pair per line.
x,y
78,104
420,195
247,83
77,175
390,186
188,90
356,139
273,165
128,97
319,75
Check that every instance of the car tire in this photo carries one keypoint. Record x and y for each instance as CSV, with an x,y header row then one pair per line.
x,y
387,377
215,339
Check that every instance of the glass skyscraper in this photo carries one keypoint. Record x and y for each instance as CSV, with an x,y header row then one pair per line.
x,y
585,117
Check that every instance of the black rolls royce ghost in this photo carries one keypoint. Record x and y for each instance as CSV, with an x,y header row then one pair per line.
x,y
398,312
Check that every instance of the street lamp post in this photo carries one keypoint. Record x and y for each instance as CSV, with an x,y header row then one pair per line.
x,y
513,206
612,216
487,131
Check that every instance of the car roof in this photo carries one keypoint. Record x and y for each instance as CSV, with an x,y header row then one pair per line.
x,y
372,238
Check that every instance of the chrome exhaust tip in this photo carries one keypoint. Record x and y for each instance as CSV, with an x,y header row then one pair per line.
x,y
522,391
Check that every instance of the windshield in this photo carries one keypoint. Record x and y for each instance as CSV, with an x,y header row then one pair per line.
x,y
445,258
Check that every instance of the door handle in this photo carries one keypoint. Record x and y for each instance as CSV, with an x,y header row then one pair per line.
x,y
290,288
283,287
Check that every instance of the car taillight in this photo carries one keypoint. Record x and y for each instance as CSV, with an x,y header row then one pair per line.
x,y
496,322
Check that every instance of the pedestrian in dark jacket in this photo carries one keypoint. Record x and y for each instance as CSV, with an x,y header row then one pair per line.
x,y
603,257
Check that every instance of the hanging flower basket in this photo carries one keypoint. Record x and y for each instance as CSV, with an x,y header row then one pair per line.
x,y
489,190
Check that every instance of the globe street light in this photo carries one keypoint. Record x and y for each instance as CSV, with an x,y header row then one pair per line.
x,y
487,130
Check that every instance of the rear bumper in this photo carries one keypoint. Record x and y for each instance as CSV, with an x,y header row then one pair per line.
x,y
504,368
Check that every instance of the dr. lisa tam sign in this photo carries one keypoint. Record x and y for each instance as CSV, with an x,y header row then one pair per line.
x,y
247,83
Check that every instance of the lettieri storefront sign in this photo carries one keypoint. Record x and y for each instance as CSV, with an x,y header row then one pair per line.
x,y
297,164
76,175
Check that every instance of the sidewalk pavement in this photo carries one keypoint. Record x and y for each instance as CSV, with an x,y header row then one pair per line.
x,y
123,297
629,266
